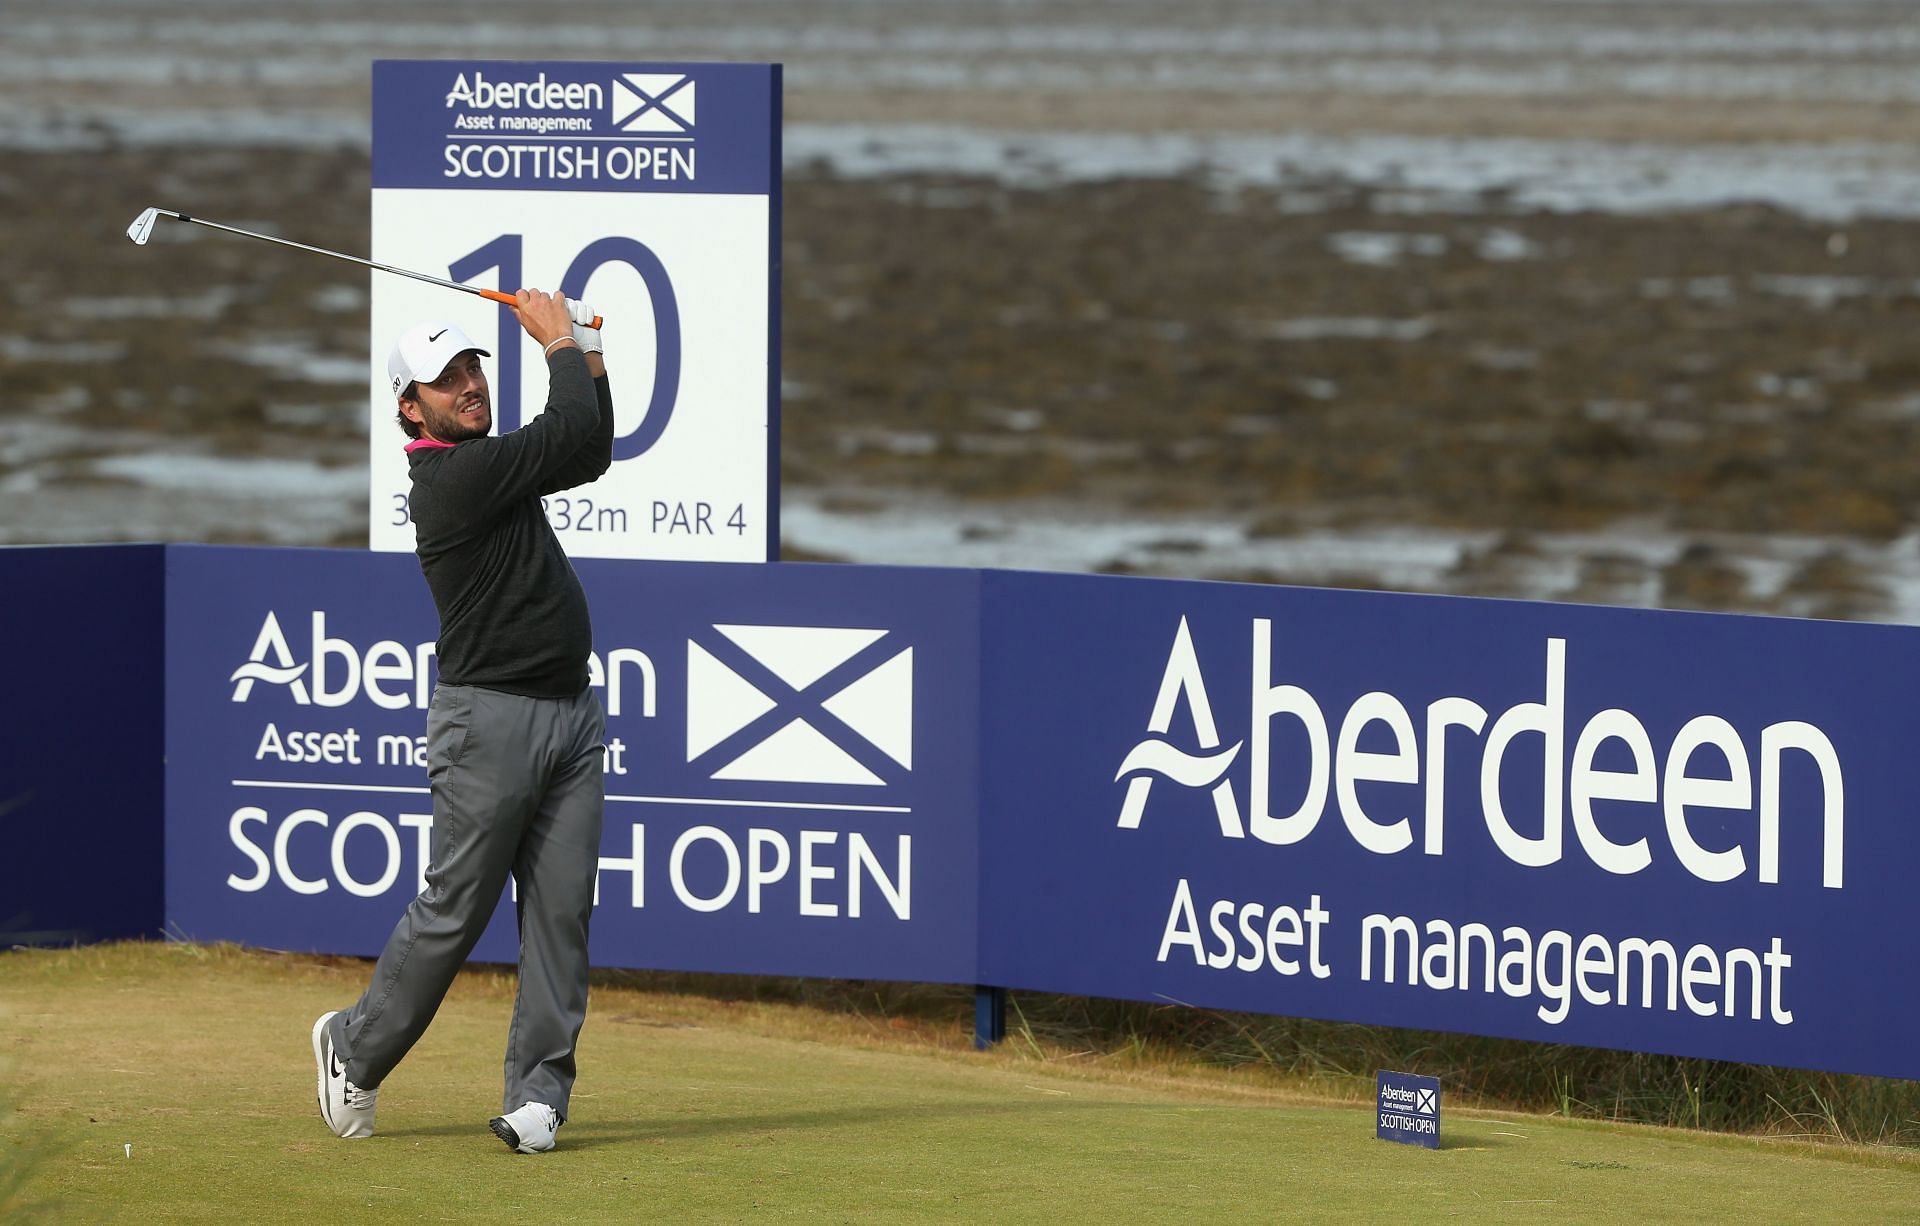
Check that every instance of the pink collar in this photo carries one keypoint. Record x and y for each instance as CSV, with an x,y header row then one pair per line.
x,y
419,443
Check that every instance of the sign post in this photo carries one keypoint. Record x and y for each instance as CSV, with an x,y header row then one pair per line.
x,y
649,191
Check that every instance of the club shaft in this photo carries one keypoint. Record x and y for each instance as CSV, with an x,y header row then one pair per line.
x,y
351,259
493,294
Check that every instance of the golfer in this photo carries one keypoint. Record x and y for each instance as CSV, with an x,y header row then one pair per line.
x,y
514,733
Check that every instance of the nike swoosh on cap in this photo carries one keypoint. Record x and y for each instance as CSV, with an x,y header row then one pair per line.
x,y
437,335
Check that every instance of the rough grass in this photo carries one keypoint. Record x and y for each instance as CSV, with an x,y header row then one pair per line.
x,y
694,1107
1579,1082
1337,1060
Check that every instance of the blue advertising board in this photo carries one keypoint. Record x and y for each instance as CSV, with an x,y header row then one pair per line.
x,y
789,765
80,743
1665,832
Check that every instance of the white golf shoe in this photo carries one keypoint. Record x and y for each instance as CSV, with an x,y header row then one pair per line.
x,y
528,1129
346,1108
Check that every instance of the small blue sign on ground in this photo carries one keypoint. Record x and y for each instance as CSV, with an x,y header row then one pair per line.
x,y
1409,1109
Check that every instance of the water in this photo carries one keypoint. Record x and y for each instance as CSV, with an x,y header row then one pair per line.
x,y
67,484
224,477
1693,104
918,531
294,357
203,304
1491,107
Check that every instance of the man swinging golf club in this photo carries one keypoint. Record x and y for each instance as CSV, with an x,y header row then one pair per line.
x,y
514,733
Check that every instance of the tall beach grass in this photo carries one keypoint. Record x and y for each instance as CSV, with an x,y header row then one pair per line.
x,y
1339,1059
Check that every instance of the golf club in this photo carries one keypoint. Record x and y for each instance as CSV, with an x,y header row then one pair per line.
x,y
142,229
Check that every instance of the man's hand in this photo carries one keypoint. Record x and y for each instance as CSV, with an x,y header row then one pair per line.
x,y
587,336
544,316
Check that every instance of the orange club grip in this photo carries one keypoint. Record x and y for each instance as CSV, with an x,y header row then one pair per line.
x,y
510,300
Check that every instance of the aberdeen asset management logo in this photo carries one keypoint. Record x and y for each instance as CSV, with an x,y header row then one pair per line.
x,y
271,661
1157,757
800,704
656,102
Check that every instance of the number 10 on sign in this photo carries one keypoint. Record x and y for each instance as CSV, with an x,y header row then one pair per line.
x,y
683,284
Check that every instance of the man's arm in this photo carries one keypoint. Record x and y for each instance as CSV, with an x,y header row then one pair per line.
x,y
484,475
596,454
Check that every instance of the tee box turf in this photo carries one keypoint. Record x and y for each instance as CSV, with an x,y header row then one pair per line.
x,y
1408,1109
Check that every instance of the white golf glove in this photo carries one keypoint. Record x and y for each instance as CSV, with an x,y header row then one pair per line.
x,y
584,334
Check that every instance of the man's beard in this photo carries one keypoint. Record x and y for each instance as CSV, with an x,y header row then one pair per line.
x,y
451,427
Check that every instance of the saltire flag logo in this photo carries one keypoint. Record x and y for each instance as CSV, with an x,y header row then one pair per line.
x,y
660,102
800,704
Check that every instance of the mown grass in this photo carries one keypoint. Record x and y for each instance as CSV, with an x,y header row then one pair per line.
x,y
26,1154
752,1103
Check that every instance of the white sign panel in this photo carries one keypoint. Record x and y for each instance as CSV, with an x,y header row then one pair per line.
x,y
651,192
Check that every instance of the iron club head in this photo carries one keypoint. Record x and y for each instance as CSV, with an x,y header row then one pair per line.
x,y
142,228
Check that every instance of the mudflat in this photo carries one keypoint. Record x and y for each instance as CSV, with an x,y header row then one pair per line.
x,y
1592,301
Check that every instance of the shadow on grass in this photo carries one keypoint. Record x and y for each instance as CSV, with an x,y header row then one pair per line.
x,y
589,1134
26,1153
581,1134
1453,1140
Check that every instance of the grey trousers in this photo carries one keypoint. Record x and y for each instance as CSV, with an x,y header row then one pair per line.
x,y
517,786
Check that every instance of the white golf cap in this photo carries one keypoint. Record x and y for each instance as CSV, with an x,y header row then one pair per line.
x,y
424,350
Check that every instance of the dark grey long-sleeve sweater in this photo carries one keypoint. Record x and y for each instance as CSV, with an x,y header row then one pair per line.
x,y
512,614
